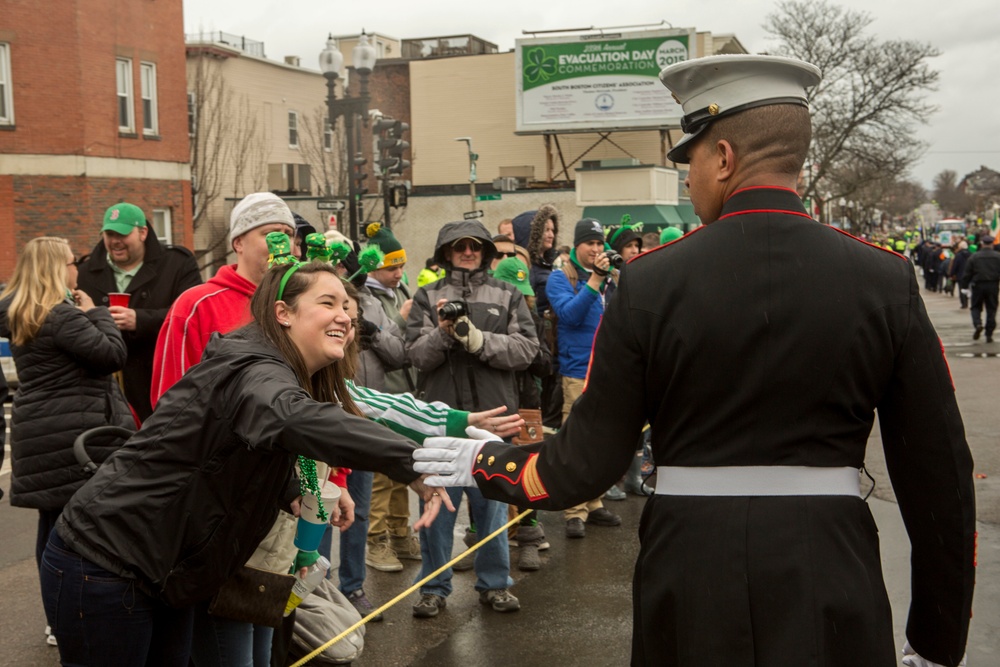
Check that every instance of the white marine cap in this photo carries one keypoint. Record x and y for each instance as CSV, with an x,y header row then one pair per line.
x,y
714,87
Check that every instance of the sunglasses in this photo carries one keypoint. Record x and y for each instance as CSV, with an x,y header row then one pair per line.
x,y
506,254
462,245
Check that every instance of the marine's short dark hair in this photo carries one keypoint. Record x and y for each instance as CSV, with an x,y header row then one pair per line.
x,y
773,138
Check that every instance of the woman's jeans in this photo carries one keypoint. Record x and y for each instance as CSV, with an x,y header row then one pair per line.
x,y
222,642
492,563
100,618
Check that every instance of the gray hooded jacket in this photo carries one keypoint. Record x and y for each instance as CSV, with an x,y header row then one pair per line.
x,y
448,372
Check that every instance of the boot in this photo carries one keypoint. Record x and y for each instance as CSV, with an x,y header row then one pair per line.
x,y
633,478
529,538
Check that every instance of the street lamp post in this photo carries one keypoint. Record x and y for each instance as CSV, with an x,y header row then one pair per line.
x,y
472,170
331,61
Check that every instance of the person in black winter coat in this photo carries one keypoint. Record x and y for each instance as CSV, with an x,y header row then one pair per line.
x,y
957,270
538,231
161,274
65,350
184,503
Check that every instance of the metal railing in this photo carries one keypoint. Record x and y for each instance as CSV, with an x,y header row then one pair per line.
x,y
249,46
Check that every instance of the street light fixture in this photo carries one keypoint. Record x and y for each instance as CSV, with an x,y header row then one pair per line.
x,y
331,62
472,170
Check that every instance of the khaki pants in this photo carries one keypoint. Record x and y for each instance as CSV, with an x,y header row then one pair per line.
x,y
390,510
572,388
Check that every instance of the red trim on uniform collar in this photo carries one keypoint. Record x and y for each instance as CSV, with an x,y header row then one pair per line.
x,y
765,210
763,187
661,247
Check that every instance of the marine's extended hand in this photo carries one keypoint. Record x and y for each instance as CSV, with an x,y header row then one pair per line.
x,y
448,461
496,422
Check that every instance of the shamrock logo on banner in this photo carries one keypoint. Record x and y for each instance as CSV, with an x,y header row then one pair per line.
x,y
539,67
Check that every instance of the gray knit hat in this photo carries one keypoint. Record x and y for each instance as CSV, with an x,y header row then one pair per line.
x,y
256,210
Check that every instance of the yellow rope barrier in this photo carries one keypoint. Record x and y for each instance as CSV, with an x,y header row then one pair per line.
x,y
412,588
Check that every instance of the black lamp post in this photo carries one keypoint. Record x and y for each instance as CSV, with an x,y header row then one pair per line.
x,y
331,61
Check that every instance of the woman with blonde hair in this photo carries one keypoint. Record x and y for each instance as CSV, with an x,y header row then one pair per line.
x,y
65,350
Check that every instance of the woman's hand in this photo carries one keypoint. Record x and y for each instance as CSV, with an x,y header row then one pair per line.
x,y
433,497
83,300
342,515
496,422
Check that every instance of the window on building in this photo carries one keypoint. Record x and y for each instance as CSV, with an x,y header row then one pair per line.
x,y
192,115
6,95
293,129
327,135
126,120
147,81
162,226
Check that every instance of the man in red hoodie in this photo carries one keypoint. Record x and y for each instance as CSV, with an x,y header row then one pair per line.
x,y
222,303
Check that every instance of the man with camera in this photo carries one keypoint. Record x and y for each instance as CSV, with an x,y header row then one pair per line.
x,y
468,334
576,294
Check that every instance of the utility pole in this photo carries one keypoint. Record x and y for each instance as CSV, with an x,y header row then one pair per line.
x,y
472,172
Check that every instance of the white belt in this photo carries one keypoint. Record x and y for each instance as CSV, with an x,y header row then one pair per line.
x,y
757,481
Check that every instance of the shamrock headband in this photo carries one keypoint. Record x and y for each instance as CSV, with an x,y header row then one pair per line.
x,y
626,219
369,260
279,247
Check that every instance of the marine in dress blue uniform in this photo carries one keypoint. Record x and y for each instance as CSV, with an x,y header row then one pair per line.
x,y
759,348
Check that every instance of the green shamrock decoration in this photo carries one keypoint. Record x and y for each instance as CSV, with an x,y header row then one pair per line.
x,y
539,67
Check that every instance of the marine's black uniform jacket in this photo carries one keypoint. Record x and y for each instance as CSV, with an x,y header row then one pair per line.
x,y
768,339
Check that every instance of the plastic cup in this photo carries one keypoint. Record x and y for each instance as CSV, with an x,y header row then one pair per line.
x,y
310,529
119,299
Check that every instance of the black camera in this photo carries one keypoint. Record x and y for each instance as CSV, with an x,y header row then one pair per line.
x,y
453,310
615,259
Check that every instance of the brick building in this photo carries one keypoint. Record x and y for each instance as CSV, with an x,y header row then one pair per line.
x,y
93,111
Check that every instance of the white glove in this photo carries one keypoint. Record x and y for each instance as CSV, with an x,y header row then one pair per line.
x,y
912,659
471,341
449,460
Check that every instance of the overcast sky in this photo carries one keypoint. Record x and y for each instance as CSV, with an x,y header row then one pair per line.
x,y
963,135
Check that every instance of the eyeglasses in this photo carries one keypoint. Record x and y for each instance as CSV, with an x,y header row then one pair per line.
x,y
463,245
75,262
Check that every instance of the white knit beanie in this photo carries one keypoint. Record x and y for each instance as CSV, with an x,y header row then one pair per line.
x,y
256,210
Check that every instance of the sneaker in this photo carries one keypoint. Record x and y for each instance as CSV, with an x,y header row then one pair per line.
x,y
528,560
977,333
500,599
407,547
602,517
575,528
614,493
50,638
382,557
429,605
361,603
468,561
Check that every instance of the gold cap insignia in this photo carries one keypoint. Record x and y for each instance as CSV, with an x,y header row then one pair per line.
x,y
511,467
674,95
490,460
713,109
479,459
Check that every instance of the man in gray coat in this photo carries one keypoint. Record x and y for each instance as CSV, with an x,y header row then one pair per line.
x,y
468,334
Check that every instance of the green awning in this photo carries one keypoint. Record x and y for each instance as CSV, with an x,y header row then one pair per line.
x,y
653,216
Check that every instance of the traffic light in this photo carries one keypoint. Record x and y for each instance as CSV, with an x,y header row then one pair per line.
x,y
359,175
399,147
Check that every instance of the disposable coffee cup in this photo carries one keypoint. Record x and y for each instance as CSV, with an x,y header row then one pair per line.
x,y
119,299
330,493
310,529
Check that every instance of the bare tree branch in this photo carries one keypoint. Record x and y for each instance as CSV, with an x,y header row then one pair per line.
x,y
866,108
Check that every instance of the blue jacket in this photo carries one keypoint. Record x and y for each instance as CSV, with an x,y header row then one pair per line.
x,y
579,311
